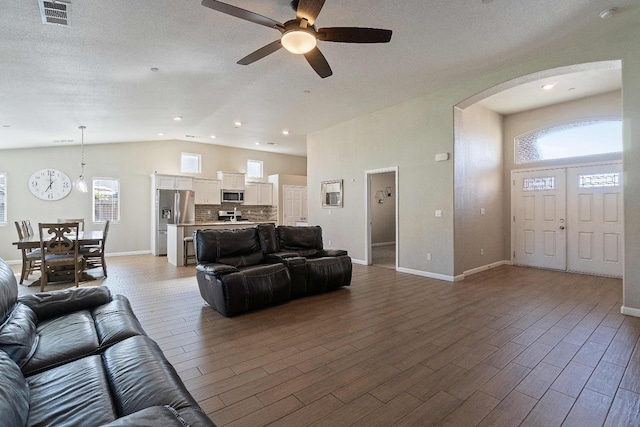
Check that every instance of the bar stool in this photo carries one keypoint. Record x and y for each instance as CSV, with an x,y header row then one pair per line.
x,y
186,242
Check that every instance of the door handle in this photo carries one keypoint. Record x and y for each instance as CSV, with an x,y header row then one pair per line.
x,y
562,227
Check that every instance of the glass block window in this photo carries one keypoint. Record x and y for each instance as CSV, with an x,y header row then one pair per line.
x,y
254,168
190,163
575,139
3,198
599,180
106,199
539,184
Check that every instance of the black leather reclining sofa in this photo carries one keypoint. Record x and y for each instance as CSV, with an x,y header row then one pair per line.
x,y
245,269
79,357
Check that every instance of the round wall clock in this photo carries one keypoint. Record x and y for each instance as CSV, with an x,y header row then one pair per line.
x,y
50,184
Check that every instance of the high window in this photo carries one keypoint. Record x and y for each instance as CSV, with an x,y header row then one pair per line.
x,y
575,139
190,163
106,199
254,168
3,198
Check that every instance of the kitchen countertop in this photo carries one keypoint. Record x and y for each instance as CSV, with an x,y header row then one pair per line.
x,y
219,223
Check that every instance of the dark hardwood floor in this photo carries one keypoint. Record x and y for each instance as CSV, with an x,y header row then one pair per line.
x,y
507,347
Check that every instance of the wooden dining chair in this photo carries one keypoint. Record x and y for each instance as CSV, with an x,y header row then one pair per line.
x,y
94,254
26,226
30,257
69,220
60,256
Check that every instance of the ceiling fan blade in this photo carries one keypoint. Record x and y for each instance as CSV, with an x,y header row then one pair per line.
x,y
261,53
242,14
318,62
354,35
309,10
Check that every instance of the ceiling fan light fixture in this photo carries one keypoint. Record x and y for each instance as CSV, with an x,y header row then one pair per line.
x,y
299,41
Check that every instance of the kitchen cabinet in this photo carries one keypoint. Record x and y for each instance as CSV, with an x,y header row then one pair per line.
x,y
207,191
172,182
231,180
258,194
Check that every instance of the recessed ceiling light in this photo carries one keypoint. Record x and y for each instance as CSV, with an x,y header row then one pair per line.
x,y
160,134
177,118
212,136
548,86
237,123
257,143
608,13
285,132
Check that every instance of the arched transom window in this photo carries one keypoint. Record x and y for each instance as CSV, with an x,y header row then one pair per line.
x,y
575,139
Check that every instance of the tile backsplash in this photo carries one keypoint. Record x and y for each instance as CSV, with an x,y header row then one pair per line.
x,y
209,213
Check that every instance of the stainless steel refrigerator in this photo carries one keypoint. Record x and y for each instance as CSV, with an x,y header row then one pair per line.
x,y
172,207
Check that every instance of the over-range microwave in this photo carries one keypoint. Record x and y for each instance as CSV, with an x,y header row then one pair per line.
x,y
234,196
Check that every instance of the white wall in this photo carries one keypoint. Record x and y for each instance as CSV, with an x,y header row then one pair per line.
x,y
408,135
479,239
132,163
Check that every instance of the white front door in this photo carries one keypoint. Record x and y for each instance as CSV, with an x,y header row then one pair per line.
x,y
589,198
595,219
539,218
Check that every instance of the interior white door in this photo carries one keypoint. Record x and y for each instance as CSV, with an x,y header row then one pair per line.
x,y
539,206
595,219
295,204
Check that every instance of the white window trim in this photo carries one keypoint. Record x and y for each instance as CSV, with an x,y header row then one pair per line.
x,y
193,156
261,168
93,204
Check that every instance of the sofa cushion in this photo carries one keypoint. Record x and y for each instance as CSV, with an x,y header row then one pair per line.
x,y
14,393
57,303
306,241
63,339
268,238
239,248
74,394
18,334
154,416
141,377
115,321
8,291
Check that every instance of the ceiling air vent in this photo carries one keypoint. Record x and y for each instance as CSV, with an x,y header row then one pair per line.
x,y
54,12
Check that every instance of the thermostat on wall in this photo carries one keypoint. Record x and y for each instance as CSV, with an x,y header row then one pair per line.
x,y
441,157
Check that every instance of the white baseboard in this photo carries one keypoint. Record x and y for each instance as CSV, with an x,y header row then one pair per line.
x,y
383,244
485,267
426,274
358,261
629,311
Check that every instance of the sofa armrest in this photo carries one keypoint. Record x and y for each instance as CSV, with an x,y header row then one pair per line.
x,y
280,256
332,252
47,305
215,269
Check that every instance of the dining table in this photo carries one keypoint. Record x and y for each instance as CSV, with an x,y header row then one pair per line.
x,y
84,238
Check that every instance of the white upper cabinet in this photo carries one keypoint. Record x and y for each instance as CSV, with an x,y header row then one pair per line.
x,y
258,194
207,191
171,182
231,180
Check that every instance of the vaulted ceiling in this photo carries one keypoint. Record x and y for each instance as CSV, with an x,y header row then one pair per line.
x,y
97,71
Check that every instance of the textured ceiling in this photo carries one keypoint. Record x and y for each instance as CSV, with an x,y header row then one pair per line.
x,y
97,72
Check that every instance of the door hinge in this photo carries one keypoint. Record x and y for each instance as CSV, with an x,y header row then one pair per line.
x,y
514,254
514,218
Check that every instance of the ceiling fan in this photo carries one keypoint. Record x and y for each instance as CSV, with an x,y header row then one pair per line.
x,y
299,35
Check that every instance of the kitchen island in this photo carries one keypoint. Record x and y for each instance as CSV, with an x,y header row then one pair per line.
x,y
177,232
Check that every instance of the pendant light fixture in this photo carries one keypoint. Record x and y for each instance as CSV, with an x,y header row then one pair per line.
x,y
81,184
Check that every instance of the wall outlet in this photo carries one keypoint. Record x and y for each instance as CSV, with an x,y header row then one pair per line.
x,y
328,211
208,212
428,257
438,213
481,251
481,211
329,243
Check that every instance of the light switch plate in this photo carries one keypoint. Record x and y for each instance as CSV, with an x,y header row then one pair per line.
x,y
438,213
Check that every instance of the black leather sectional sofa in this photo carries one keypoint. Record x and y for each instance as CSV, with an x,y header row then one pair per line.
x,y
245,269
80,357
